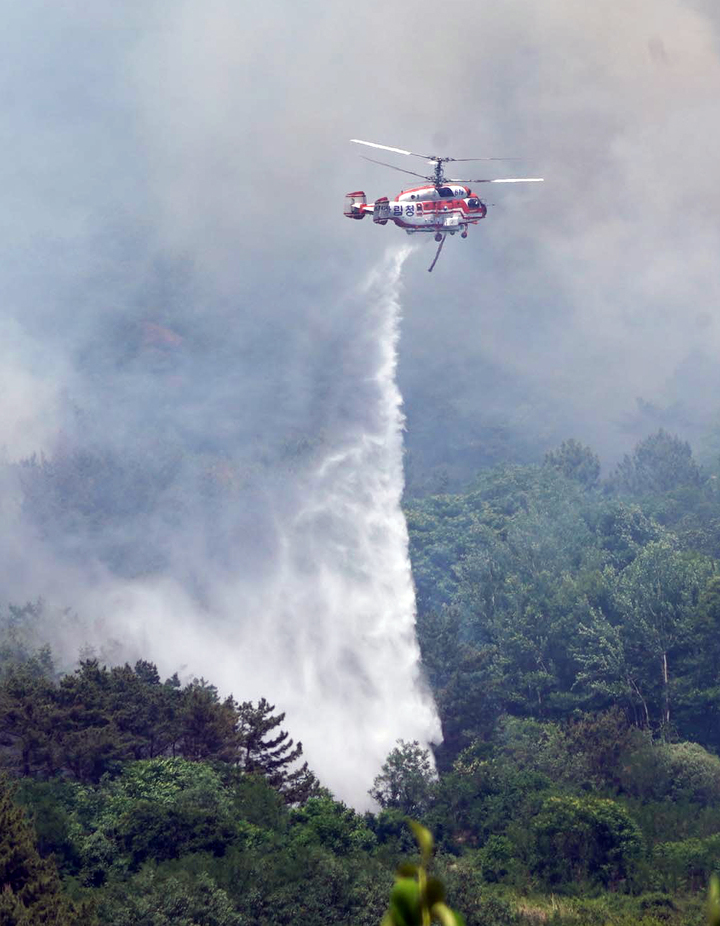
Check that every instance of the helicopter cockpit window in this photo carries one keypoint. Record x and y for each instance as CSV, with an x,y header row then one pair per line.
x,y
473,202
445,192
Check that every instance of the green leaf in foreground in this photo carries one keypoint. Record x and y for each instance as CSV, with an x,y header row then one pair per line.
x,y
713,903
416,898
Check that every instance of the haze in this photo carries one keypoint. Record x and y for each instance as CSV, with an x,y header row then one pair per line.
x,y
183,301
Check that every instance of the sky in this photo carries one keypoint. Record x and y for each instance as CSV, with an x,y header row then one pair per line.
x,y
189,324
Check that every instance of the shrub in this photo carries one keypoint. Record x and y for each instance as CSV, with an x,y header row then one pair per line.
x,y
585,839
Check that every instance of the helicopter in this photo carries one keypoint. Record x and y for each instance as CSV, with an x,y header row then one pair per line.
x,y
441,206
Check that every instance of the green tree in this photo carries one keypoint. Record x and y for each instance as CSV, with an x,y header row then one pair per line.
x,y
155,809
207,726
406,780
603,739
659,463
465,679
27,721
20,640
50,806
270,752
621,530
88,740
31,893
575,462
607,669
682,773
697,698
483,793
145,711
329,823
157,899
654,603
687,863
657,594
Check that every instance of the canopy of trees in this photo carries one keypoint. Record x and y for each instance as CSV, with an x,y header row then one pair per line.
x,y
570,631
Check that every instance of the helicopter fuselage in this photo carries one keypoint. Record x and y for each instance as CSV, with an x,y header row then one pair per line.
x,y
447,208
442,205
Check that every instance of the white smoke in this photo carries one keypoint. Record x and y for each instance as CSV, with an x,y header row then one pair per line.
x,y
325,628
208,390
174,263
331,636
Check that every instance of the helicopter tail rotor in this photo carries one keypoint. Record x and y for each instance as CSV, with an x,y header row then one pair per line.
x,y
353,202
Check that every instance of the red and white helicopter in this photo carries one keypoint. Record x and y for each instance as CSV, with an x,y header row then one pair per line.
x,y
444,207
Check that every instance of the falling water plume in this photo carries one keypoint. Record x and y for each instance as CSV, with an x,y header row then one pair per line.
x,y
352,681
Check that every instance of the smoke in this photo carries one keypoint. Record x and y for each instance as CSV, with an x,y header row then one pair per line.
x,y
329,631
202,431
588,302
276,567
185,337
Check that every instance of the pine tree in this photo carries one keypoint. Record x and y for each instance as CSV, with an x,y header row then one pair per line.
x,y
30,890
271,755
207,725
26,721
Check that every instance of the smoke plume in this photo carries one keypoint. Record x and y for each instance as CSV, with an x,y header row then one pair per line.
x,y
186,347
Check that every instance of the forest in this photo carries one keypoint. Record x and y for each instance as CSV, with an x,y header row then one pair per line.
x,y
569,627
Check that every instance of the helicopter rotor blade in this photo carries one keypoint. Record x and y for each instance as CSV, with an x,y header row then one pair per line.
x,y
401,169
425,157
372,144
483,159
503,180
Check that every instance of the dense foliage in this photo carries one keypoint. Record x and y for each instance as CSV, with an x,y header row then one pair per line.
x,y
541,595
570,631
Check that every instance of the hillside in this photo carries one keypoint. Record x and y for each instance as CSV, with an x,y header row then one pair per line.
x,y
569,632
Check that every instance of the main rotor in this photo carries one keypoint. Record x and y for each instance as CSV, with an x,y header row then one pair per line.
x,y
438,175
438,178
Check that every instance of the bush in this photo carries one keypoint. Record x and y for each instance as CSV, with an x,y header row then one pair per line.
x,y
579,840
679,771
498,858
154,900
156,809
687,863
324,821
